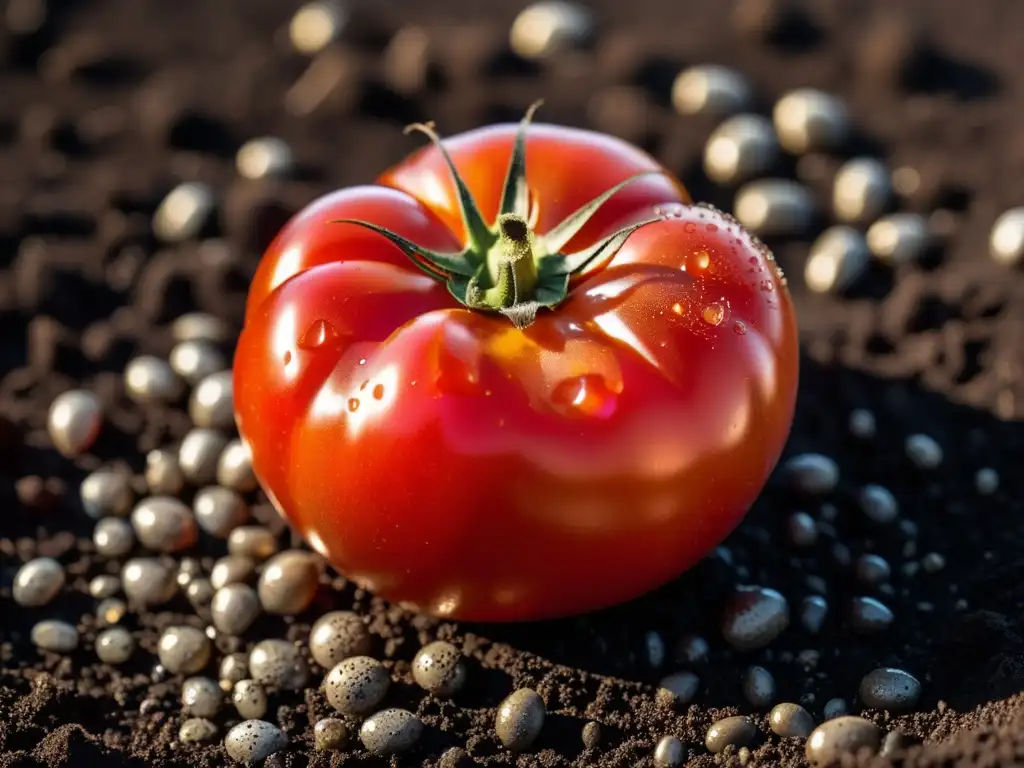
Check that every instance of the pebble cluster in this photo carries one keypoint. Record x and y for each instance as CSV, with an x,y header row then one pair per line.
x,y
201,495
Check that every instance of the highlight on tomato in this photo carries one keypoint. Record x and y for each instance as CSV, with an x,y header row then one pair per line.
x,y
519,377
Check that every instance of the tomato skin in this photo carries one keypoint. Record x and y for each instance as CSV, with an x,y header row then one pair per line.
x,y
449,461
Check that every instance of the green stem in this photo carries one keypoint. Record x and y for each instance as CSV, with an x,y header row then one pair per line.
x,y
511,264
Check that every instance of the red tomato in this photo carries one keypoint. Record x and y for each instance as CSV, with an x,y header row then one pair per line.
x,y
500,447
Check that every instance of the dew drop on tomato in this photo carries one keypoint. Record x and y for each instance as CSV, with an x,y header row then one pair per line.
x,y
353,404
713,314
319,333
739,328
378,392
587,395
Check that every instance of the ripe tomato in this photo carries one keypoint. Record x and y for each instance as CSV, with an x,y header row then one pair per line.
x,y
476,410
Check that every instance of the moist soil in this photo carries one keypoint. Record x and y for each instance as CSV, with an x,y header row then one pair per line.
x,y
109,103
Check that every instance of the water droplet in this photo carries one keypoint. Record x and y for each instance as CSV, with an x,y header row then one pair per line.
x,y
739,328
362,361
319,333
767,286
353,404
679,308
587,395
700,260
378,392
754,260
713,314
712,227
287,356
689,227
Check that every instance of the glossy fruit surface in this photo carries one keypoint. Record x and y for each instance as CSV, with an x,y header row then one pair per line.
x,y
454,453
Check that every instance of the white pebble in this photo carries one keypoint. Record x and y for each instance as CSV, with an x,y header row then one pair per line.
x,y
838,257
547,28
899,238
710,89
923,451
861,190
316,25
986,481
809,120
1006,243
74,421
742,147
184,212
264,157
774,207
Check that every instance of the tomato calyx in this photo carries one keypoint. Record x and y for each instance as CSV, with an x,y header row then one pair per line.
x,y
506,267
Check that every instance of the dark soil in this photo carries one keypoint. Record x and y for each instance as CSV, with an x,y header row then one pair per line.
x,y
111,102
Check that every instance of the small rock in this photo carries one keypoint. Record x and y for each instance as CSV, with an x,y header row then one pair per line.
x,y
520,719
812,473
741,148
390,731
758,687
196,359
801,529
679,688
923,451
278,664
1006,242
148,379
231,569
104,586
736,731
329,734
774,207
55,636
264,157
196,729
337,636
711,89
986,481
106,492
591,735
313,27
115,645
201,697
250,699
835,708
234,468
357,685
842,736
791,721
669,752
212,403
872,569
808,120
183,214
184,650
692,649
164,476
861,191
200,593
899,238
438,669
754,616
199,453
252,741
837,259
234,608
868,615
147,581
233,668
252,541
887,688
38,582
289,581
878,504
164,523
113,537
218,510
547,28
74,421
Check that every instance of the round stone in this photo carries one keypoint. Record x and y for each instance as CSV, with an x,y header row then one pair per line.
x,y
74,421
106,492
742,147
861,190
212,403
219,510
438,669
289,581
184,650
250,699
678,688
546,28
591,735
812,473
736,731
835,708
692,649
110,611
809,120
195,359
774,207
148,581
869,616
200,593
790,721
842,736
887,688
113,537
38,582
115,645
234,608
753,617
669,752
252,541
196,729
55,636
878,504
104,586
231,569
872,569
233,668
357,685
899,238
758,687
164,524
801,529
390,731
330,734
164,476
199,326
862,423
316,25
520,719
813,610
337,636
201,697
923,451
148,379
234,468
199,453
1006,242
253,741
710,89
265,157
184,212
278,664
837,259
986,481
